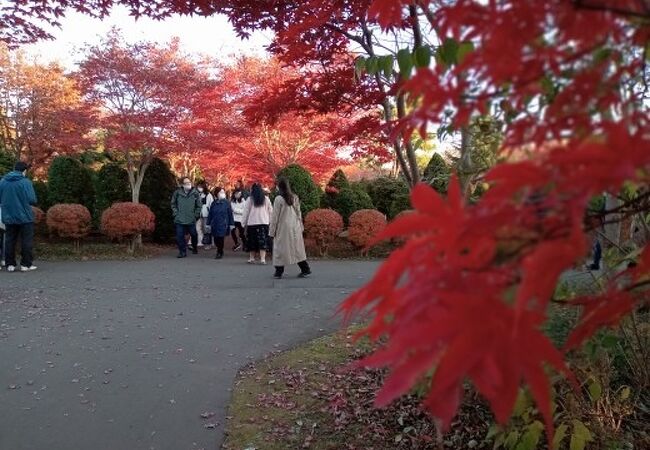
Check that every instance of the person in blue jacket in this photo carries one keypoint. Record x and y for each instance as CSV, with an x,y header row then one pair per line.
x,y
16,199
220,219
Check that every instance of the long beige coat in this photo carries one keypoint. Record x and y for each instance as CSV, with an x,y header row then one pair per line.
x,y
286,230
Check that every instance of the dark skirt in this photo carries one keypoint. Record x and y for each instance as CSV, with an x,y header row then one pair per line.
x,y
257,238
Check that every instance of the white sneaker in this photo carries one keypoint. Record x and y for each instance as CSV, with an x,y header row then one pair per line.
x,y
28,269
11,268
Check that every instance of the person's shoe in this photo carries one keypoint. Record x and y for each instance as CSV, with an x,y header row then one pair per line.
x,y
11,268
251,261
277,276
236,248
219,256
263,262
28,268
207,247
200,244
182,255
304,274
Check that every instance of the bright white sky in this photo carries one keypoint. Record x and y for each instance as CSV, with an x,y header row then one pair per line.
x,y
212,36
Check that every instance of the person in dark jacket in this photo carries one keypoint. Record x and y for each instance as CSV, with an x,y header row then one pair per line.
x,y
17,196
220,219
186,208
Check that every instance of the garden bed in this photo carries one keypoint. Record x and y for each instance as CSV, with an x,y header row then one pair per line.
x,y
93,251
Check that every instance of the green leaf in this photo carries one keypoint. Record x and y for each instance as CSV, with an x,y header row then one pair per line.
x,y
492,431
602,54
405,62
449,52
372,65
548,87
560,434
423,56
530,439
512,439
580,436
464,49
595,390
521,404
386,64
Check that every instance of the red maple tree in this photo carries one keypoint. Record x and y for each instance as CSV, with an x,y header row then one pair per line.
x,y
145,95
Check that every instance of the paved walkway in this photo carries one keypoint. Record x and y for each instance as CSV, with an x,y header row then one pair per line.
x,y
128,355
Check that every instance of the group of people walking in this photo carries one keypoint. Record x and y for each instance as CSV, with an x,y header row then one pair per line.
x,y
255,224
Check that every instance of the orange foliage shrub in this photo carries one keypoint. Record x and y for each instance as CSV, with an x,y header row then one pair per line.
x,y
39,215
364,225
69,220
400,240
323,226
127,220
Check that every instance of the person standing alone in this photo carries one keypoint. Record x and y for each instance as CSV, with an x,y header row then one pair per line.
x,y
186,208
17,196
286,230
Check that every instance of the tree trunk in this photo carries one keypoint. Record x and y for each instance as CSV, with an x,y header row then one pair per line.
x,y
465,165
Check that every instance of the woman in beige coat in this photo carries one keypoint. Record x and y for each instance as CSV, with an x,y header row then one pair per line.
x,y
286,230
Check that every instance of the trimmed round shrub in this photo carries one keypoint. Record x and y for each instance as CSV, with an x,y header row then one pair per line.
x,y
111,186
365,225
303,186
323,226
69,182
128,220
351,199
69,221
437,173
39,215
156,192
384,190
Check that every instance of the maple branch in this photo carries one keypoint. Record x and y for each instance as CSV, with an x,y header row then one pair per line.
x,y
580,4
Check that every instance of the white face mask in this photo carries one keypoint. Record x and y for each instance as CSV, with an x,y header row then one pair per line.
x,y
221,195
200,189
187,186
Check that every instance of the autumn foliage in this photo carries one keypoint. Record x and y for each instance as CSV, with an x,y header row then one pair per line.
x,y
364,225
323,227
127,220
39,215
69,220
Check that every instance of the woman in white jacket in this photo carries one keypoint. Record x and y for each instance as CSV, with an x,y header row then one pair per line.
x,y
206,201
237,202
257,216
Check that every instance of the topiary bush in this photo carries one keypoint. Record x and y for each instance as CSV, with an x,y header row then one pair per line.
x,y
437,173
401,202
111,186
323,226
303,186
351,199
338,181
128,220
6,163
42,194
364,226
156,192
69,221
384,190
70,182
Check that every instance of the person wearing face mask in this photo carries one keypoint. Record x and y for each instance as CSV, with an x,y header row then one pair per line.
x,y
237,203
17,196
220,220
186,208
206,201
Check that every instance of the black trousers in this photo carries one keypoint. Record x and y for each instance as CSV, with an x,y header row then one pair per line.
x,y
239,229
219,241
26,233
181,231
304,268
